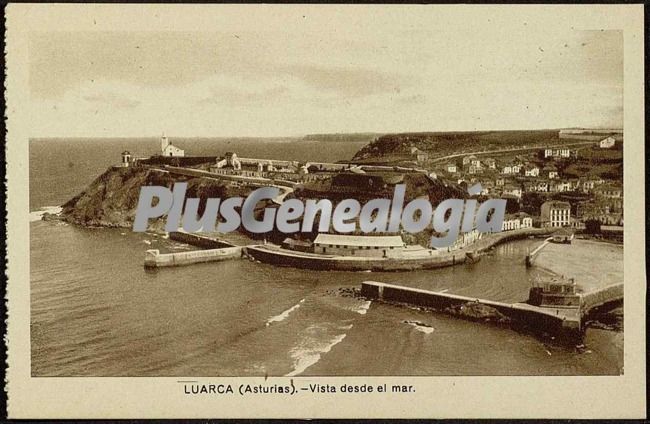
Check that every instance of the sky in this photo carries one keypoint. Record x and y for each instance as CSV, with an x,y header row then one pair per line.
x,y
248,80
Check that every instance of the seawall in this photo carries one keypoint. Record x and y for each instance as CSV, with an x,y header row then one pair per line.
x,y
564,322
155,259
199,240
275,255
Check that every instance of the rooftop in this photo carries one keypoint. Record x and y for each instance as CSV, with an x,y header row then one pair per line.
x,y
353,240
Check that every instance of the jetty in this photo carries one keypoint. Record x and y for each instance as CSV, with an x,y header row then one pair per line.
x,y
154,259
532,255
557,304
565,321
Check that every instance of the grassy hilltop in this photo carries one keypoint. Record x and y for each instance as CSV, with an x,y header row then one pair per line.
x,y
396,146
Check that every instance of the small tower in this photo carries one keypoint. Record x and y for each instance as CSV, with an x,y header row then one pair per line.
x,y
126,158
164,142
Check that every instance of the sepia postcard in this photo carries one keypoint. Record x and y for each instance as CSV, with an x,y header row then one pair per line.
x,y
325,211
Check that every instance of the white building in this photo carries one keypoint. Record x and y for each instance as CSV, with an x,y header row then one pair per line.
x,y
561,152
353,245
555,213
607,143
512,190
490,163
168,149
531,171
468,159
510,223
126,158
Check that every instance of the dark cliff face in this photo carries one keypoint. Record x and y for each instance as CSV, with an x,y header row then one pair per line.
x,y
111,200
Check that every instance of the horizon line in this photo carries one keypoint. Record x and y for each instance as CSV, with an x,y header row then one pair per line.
x,y
323,133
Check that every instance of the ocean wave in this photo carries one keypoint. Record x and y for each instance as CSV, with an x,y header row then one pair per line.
x,y
38,215
309,354
284,315
363,307
420,326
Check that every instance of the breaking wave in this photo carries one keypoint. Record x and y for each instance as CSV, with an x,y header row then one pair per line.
x,y
38,215
420,326
284,315
311,350
363,308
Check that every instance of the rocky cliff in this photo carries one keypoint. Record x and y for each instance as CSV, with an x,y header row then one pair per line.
x,y
111,200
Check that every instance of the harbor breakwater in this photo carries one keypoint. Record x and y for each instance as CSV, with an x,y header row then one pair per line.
x,y
562,322
426,259
154,259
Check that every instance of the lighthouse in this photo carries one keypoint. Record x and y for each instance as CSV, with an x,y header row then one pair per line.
x,y
168,149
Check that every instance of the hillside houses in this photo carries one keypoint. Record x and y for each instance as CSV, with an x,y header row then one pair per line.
x,y
490,163
557,153
531,171
468,159
529,179
419,155
516,221
512,190
587,185
609,191
550,172
451,168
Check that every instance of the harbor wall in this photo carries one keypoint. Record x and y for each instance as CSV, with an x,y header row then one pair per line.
x,y
530,257
284,257
533,317
199,240
592,301
155,259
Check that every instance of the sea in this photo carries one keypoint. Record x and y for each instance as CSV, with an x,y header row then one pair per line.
x,y
96,311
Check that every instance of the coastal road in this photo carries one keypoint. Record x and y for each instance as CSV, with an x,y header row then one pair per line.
x,y
285,190
518,149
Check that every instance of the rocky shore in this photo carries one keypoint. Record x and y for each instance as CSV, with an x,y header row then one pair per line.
x,y
111,199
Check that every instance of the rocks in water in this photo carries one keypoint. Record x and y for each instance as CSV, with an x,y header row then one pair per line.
x,y
477,311
50,217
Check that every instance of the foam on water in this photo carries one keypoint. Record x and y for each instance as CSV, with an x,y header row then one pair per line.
x,y
421,327
38,215
310,352
363,308
284,315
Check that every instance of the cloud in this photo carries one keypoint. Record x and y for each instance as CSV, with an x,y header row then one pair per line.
x,y
355,82
131,84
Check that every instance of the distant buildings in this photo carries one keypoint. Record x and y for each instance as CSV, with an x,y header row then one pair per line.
x,y
588,185
419,154
609,191
507,169
531,171
555,213
168,149
607,143
512,190
559,186
451,168
550,172
468,159
562,152
516,221
490,163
